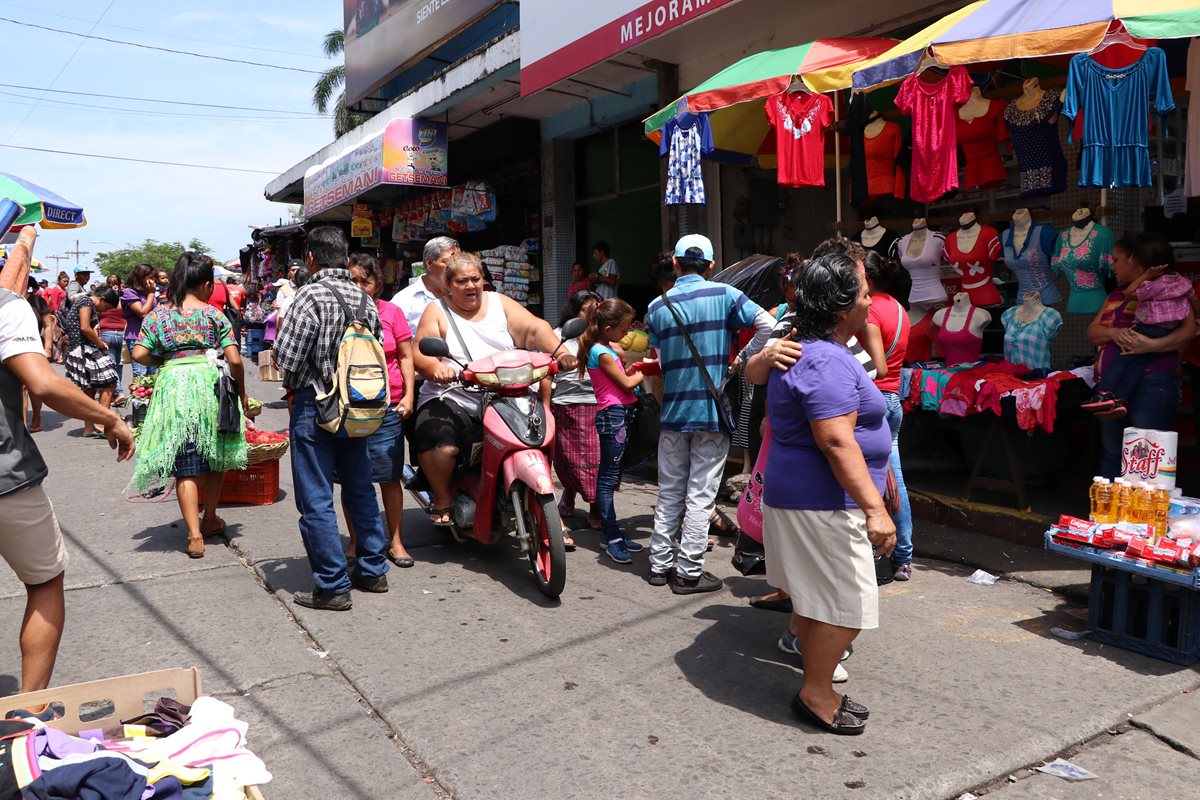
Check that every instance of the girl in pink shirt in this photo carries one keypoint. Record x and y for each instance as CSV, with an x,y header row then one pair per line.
x,y
615,401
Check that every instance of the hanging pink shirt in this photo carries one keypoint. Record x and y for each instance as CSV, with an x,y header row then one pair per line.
x,y
934,111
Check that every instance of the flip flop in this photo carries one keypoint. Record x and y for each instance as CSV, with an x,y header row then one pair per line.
x,y
844,723
784,605
568,542
722,524
434,513
94,435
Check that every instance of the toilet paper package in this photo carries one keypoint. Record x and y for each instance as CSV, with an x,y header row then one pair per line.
x,y
1150,455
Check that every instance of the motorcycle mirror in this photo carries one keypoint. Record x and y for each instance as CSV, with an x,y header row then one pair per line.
x,y
574,328
434,347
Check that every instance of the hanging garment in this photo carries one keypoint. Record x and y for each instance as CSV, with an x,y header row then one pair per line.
x,y
1191,178
925,268
1116,141
886,246
961,346
1035,141
1085,266
858,114
934,111
920,344
685,139
1028,343
885,178
800,121
980,140
975,267
1031,264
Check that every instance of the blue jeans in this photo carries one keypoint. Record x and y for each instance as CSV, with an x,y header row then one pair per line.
x,y
904,526
1152,404
315,454
612,424
115,341
137,369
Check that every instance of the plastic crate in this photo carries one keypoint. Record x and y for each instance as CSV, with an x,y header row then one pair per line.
x,y
1147,616
256,486
1118,560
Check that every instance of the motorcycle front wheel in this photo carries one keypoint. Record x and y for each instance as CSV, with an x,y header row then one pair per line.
x,y
547,553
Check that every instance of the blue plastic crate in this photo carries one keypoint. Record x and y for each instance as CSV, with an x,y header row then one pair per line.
x,y
1145,615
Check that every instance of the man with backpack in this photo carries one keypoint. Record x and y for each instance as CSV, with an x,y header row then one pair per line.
x,y
325,352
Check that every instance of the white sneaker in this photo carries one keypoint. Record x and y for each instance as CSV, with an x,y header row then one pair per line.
x,y
788,643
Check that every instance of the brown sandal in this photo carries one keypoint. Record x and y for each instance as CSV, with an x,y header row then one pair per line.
x,y
212,527
195,547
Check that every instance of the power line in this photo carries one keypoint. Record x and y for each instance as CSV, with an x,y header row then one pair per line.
x,y
165,35
170,102
151,112
138,160
61,70
162,49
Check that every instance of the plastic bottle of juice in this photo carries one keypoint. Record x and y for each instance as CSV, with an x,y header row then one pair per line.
x,y
1143,504
1162,509
1102,500
1093,499
1124,499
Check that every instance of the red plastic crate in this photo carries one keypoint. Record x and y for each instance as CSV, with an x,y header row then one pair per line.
x,y
256,486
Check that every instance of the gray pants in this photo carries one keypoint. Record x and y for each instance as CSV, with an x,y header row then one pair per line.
x,y
690,466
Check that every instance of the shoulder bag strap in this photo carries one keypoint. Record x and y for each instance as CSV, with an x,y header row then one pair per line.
x,y
708,381
454,327
899,327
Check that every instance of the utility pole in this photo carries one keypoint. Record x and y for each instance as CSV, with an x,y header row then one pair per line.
x,y
57,259
77,253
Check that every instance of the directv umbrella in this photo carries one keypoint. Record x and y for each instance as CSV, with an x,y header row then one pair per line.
x,y
996,30
735,94
42,206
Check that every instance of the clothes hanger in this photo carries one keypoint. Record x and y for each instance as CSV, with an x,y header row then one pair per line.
x,y
1117,34
797,87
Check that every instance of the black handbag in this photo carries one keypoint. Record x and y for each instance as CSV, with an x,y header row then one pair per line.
x,y
726,408
229,400
644,429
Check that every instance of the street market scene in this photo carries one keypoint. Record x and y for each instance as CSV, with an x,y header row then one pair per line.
x,y
494,399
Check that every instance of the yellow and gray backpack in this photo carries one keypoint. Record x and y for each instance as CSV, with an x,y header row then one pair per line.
x,y
356,403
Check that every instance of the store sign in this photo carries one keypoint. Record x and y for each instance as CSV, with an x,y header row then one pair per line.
x,y
560,38
385,36
409,152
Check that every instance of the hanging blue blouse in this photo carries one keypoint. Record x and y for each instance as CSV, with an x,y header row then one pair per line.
x,y
1116,138
1032,264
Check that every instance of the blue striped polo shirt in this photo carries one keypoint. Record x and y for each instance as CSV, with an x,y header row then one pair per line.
x,y
713,313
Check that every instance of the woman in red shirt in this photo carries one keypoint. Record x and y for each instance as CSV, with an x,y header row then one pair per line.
x,y
885,337
112,333
579,279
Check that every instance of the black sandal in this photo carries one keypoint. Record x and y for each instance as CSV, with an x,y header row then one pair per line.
x,y
436,513
844,723
783,604
722,524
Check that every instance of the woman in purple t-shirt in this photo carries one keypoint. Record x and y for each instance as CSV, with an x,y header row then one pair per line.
x,y
137,300
824,518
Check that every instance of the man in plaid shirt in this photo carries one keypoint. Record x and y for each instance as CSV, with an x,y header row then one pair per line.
x,y
306,351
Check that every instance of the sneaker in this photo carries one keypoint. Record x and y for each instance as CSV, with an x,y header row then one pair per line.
x,y
660,578
377,585
617,551
45,713
706,582
789,643
632,546
1100,401
903,572
323,600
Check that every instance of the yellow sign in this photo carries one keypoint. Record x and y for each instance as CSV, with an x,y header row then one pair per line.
x,y
361,228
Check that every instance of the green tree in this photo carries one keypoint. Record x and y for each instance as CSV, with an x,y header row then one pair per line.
x,y
160,255
329,84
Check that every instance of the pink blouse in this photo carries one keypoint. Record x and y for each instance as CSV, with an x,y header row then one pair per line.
x,y
934,111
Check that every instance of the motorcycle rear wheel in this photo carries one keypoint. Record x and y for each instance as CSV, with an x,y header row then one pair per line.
x,y
547,552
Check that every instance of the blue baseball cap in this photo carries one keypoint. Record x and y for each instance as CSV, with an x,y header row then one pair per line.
x,y
83,268
697,241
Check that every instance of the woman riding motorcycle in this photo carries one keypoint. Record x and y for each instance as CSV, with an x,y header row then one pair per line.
x,y
481,323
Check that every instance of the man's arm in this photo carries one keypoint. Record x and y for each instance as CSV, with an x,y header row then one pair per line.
x,y
298,336
764,324
611,276
65,397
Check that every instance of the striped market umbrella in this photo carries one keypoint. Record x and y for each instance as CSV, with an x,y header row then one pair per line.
x,y
42,206
997,30
905,58
734,96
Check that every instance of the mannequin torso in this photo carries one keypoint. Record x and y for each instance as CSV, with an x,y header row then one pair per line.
x,y
916,242
960,329
1028,331
1030,309
1020,228
1031,95
975,107
874,127
872,232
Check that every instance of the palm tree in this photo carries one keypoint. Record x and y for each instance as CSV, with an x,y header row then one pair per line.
x,y
330,82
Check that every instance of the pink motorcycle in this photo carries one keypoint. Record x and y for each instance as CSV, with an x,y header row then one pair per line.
x,y
507,489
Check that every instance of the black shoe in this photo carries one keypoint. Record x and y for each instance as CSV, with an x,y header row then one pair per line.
x,y
660,578
323,600
376,585
707,582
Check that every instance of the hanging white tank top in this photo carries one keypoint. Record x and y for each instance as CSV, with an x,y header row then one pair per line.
x,y
482,338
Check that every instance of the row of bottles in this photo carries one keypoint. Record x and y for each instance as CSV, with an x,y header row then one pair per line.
x,y
1124,501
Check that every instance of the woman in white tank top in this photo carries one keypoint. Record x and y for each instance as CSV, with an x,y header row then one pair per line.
x,y
484,323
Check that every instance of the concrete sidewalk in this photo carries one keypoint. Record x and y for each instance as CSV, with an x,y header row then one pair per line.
x,y
464,681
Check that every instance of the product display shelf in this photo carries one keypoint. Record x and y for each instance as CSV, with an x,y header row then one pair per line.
x,y
1116,558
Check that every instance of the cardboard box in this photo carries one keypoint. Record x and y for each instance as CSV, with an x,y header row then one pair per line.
x,y
267,371
107,702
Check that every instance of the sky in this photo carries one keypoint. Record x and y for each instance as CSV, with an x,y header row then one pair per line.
x,y
128,202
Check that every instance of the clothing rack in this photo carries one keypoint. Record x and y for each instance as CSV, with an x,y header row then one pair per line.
x,y
983,217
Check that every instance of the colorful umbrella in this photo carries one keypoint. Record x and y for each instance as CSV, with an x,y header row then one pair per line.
x,y
996,30
42,206
739,125
905,58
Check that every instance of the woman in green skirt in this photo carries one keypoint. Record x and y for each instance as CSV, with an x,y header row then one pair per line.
x,y
179,436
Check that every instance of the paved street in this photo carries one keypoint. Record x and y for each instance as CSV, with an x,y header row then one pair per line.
x,y
464,682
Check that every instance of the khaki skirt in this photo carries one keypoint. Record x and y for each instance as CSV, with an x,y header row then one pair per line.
x,y
825,562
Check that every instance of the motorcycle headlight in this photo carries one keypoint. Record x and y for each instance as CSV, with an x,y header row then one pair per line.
x,y
508,376
487,379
